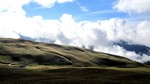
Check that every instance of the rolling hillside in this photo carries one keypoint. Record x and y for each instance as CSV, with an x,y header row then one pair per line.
x,y
23,53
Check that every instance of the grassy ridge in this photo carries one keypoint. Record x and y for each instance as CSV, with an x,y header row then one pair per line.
x,y
18,51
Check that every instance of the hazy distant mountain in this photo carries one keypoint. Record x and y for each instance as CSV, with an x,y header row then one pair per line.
x,y
139,49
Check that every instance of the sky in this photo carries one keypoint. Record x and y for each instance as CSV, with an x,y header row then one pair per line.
x,y
97,23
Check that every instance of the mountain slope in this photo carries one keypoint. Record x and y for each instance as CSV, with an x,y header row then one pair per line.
x,y
22,52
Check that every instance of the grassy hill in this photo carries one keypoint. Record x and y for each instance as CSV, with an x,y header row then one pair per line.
x,y
19,51
27,62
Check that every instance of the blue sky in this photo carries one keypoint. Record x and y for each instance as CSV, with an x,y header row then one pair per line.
x,y
80,9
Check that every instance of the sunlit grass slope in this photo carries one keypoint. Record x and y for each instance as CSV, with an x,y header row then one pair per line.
x,y
23,52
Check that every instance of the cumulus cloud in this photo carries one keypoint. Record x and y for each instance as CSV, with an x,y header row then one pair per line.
x,y
99,34
143,33
45,3
133,6
50,3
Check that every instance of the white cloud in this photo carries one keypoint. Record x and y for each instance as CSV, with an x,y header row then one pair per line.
x,y
45,3
13,7
68,26
102,12
50,3
133,6
143,33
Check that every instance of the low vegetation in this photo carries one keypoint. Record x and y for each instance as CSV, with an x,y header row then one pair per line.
x,y
74,75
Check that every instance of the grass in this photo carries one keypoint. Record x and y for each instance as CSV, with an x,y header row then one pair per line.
x,y
74,75
137,69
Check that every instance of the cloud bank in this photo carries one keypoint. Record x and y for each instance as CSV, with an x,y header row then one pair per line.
x,y
133,6
101,34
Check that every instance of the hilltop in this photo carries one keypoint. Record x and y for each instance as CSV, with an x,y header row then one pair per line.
x,y
23,52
